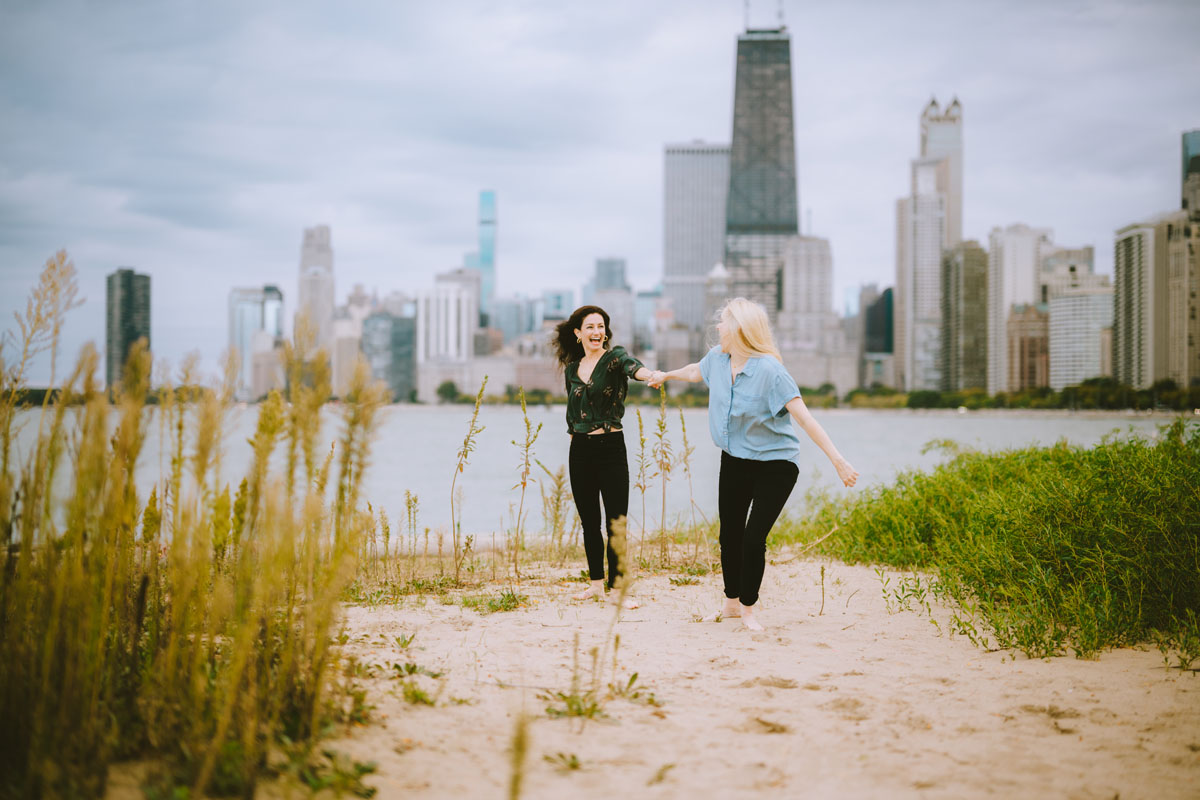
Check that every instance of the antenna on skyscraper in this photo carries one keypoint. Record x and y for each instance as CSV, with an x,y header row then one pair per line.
x,y
781,25
746,7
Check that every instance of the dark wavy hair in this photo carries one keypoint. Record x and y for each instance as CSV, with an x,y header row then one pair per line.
x,y
564,344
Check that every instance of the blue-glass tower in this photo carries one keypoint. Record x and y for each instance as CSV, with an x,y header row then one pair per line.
x,y
486,256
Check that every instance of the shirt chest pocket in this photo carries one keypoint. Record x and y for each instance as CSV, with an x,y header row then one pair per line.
x,y
748,404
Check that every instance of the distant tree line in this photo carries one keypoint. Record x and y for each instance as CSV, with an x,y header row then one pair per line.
x,y
1094,393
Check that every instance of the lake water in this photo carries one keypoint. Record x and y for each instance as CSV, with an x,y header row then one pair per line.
x,y
416,450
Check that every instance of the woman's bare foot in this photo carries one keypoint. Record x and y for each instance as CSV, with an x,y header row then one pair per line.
x,y
747,614
596,591
731,609
628,602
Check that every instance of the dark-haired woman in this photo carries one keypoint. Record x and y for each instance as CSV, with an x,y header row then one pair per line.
x,y
597,378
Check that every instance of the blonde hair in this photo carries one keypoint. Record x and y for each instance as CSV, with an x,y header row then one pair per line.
x,y
751,328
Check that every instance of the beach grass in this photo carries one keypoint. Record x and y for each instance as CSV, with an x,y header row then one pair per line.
x,y
169,624
1041,549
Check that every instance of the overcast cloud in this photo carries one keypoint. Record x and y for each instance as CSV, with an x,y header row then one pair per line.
x,y
195,141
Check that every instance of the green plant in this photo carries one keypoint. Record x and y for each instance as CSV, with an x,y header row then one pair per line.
x,y
644,475
556,511
464,453
523,469
415,695
1040,548
507,600
563,762
664,461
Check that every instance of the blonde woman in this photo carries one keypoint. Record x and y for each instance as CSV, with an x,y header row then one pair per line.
x,y
752,401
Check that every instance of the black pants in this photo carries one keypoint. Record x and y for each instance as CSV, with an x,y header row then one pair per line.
x,y
759,488
599,468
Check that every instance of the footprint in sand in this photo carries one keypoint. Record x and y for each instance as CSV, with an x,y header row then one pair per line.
x,y
760,725
849,708
770,681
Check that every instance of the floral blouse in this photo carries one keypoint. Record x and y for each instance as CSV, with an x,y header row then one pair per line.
x,y
599,402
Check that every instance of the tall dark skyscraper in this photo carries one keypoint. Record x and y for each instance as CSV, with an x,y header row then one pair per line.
x,y
128,319
761,208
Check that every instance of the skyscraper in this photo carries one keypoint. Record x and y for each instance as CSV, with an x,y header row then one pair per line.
x,y
1066,268
448,317
1015,255
695,187
484,259
877,364
316,295
964,317
610,274
557,303
1140,300
928,222
1077,319
1183,274
806,294
1190,176
761,206
127,307
253,310
1028,344
389,346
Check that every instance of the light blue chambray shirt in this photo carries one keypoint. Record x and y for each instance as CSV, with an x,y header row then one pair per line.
x,y
748,417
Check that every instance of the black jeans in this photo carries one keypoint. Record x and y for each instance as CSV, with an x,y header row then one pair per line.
x,y
760,488
599,468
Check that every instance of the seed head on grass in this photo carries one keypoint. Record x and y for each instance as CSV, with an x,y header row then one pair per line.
x,y
464,454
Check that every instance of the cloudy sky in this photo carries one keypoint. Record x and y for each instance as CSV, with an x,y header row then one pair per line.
x,y
195,141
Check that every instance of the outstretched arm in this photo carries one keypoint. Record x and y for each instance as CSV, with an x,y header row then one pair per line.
x,y
804,419
690,374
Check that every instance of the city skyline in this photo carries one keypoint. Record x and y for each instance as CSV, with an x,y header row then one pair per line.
x,y
197,150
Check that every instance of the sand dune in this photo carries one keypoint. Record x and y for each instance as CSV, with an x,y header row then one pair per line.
x,y
853,702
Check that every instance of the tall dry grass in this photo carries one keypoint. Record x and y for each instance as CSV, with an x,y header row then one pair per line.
x,y
167,623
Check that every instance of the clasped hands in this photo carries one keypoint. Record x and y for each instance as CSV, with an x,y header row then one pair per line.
x,y
656,379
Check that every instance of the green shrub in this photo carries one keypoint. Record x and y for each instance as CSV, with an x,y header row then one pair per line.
x,y
1092,547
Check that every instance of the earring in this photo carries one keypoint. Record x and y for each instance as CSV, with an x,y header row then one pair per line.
x,y
578,340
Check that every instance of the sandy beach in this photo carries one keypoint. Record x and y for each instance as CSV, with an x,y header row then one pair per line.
x,y
857,701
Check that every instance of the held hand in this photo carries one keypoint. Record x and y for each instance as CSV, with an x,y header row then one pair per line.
x,y
847,473
657,379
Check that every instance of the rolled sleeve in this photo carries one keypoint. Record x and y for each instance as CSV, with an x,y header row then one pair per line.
x,y
780,391
629,364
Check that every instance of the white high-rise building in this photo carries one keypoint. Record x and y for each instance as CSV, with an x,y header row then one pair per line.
x,y
695,186
928,221
1015,256
806,315
448,317
1065,268
316,297
1077,318
1141,302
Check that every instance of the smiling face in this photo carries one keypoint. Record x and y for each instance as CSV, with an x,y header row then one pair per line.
x,y
592,334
